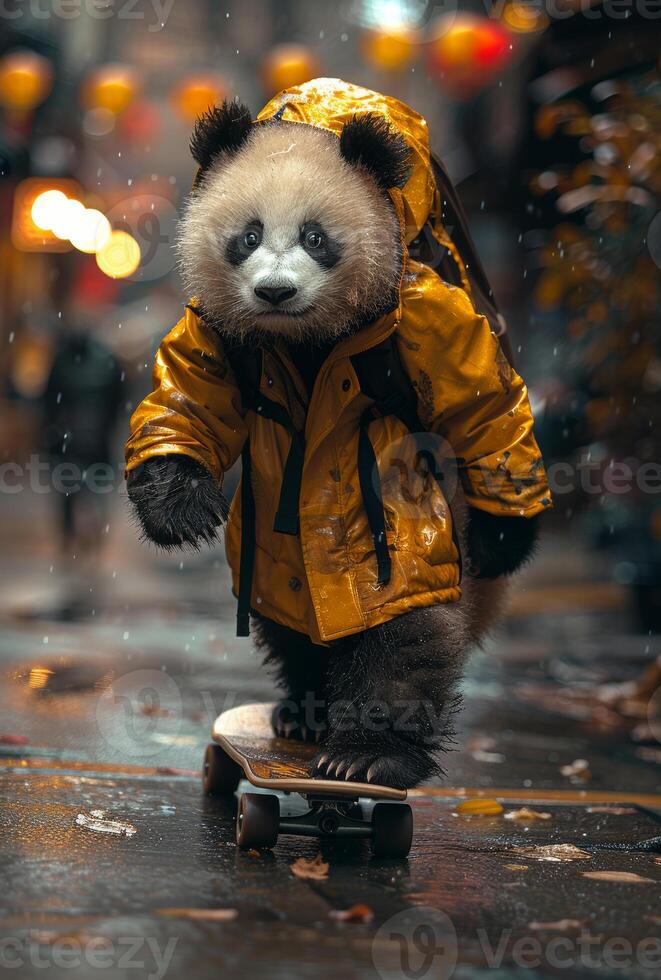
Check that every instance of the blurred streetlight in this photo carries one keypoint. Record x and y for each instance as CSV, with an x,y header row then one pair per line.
x,y
287,65
120,256
26,79
112,87
197,93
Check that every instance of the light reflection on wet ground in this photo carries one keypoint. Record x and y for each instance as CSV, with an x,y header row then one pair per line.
x,y
165,631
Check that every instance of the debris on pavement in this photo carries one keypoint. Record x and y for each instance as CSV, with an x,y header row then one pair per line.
x,y
480,808
552,852
525,814
355,913
577,771
97,821
315,868
204,915
562,925
628,877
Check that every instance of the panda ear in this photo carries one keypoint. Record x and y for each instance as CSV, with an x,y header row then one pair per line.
x,y
221,129
367,139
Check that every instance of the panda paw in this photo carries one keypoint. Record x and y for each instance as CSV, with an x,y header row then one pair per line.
x,y
387,759
176,502
290,720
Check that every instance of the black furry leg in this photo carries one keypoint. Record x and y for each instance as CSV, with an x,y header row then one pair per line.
x,y
298,666
392,694
499,545
176,501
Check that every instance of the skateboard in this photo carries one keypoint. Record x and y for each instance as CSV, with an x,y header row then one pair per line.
x,y
245,746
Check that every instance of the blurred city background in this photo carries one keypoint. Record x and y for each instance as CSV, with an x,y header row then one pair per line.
x,y
548,116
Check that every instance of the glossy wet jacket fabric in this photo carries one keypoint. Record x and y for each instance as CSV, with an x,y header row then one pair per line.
x,y
325,580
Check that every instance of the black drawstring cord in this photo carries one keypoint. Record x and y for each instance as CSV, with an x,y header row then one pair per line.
x,y
370,487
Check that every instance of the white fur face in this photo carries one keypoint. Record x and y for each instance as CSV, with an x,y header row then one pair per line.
x,y
284,237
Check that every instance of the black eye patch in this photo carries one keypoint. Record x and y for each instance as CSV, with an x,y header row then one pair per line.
x,y
240,247
319,245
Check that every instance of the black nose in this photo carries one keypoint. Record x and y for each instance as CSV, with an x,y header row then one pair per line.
x,y
275,294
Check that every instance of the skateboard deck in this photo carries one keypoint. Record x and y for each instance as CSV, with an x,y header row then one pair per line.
x,y
244,745
269,762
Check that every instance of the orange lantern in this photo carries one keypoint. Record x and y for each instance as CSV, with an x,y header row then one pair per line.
x,y
25,80
467,51
197,93
111,87
287,65
391,50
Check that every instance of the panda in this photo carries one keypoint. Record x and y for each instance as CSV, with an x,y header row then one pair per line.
x,y
294,246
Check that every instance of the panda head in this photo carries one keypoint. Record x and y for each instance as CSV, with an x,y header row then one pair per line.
x,y
290,231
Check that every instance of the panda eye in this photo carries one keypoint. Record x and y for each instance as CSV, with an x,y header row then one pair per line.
x,y
251,239
314,240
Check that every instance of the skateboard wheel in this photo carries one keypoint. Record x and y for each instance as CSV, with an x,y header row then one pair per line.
x,y
392,830
220,774
257,820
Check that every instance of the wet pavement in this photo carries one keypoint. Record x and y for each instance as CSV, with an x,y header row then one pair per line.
x,y
113,862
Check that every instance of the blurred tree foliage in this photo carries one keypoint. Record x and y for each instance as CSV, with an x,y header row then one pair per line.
x,y
600,268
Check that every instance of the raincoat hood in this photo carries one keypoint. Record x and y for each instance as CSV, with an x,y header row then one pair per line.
x,y
330,103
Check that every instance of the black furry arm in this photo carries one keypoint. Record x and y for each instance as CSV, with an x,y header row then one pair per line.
x,y
499,545
176,501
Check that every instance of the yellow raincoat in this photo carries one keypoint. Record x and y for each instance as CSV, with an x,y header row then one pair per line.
x,y
323,581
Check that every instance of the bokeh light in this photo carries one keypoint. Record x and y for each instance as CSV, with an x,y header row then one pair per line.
x,y
197,93
26,79
91,231
287,65
66,218
391,50
46,208
112,87
120,256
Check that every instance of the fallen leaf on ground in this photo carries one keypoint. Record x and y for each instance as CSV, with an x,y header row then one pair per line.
x,y
315,868
356,913
525,813
14,740
516,867
96,821
254,853
553,852
207,915
480,808
629,877
619,811
577,771
562,925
